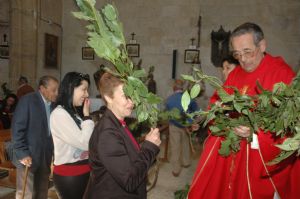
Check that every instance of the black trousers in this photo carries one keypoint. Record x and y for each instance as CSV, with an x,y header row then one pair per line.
x,y
71,187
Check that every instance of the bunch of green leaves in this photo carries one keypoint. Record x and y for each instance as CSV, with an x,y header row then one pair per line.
x,y
290,146
182,193
276,111
232,111
196,81
105,36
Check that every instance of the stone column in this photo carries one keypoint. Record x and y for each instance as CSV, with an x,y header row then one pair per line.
x,y
24,33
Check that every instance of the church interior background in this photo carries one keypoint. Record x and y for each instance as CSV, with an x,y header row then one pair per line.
x,y
32,31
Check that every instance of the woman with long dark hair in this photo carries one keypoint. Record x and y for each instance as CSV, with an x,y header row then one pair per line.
x,y
71,127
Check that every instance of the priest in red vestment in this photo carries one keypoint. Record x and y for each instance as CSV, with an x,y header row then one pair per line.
x,y
245,175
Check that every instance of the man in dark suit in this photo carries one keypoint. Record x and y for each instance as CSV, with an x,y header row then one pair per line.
x,y
32,140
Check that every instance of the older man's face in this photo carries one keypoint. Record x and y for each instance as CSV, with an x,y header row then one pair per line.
x,y
51,91
246,52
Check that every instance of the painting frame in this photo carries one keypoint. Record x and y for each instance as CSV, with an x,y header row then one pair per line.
x,y
87,53
191,56
133,50
4,51
51,51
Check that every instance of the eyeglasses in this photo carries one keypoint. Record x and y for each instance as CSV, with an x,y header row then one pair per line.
x,y
246,54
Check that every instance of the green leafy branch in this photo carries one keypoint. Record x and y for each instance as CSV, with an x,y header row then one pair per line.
x,y
182,193
105,36
276,111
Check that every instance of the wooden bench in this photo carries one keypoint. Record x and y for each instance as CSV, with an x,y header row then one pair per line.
x,y
5,163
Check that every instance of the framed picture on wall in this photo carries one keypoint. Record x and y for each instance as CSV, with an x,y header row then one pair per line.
x,y
4,52
51,51
87,53
191,56
133,50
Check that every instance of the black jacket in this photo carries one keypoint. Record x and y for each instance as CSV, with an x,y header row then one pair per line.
x,y
119,169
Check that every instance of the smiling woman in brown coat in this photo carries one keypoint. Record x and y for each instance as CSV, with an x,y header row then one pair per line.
x,y
119,164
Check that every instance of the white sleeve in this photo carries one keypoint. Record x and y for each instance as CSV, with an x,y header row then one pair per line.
x,y
63,127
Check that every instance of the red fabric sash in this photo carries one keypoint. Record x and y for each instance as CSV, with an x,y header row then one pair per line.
x,y
71,170
123,123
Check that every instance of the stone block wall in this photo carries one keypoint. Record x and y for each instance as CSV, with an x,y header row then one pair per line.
x,y
162,26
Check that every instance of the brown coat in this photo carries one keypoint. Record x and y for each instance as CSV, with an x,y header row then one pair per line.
x,y
23,90
119,169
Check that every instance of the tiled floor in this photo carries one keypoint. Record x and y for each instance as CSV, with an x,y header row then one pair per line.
x,y
167,184
8,193
165,187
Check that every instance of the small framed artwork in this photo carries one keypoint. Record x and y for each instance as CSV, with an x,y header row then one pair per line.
x,y
133,50
87,53
191,56
51,51
4,52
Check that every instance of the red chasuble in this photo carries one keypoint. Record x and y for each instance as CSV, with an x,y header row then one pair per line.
x,y
242,175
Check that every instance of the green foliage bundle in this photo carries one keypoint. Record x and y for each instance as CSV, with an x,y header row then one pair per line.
x,y
105,36
276,111
182,194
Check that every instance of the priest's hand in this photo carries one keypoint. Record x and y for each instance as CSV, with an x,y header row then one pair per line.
x,y
242,131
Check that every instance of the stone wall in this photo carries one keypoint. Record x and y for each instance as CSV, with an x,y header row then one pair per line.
x,y
28,23
162,26
4,29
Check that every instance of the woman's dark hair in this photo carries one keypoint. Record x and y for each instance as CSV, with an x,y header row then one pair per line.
x,y
230,59
23,80
4,102
66,91
98,74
